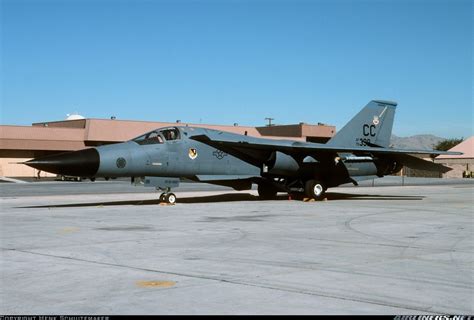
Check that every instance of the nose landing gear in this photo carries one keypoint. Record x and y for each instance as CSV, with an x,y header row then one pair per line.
x,y
167,196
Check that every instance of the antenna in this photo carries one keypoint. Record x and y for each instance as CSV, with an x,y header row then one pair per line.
x,y
269,121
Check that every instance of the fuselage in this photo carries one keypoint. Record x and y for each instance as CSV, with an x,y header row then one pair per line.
x,y
160,155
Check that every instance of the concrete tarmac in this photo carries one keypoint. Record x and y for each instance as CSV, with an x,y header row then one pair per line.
x,y
366,250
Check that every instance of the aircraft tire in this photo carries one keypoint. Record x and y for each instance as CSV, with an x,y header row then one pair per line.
x,y
315,189
266,192
170,198
162,197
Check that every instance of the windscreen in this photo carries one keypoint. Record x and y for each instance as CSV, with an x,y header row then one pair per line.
x,y
158,136
152,137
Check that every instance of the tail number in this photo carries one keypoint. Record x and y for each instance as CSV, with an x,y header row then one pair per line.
x,y
363,142
368,130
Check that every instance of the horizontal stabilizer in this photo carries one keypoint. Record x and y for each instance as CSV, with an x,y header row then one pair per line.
x,y
420,164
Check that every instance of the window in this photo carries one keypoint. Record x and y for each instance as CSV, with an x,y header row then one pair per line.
x,y
158,136
152,137
170,134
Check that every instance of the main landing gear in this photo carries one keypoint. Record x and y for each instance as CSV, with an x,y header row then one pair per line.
x,y
315,189
167,196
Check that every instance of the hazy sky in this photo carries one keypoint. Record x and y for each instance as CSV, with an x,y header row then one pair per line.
x,y
224,61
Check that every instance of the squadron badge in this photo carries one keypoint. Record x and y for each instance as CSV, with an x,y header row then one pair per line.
x,y
192,153
376,120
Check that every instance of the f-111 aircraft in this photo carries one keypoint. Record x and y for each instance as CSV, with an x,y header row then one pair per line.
x,y
360,150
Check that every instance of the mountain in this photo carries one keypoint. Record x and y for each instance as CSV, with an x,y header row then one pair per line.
x,y
421,141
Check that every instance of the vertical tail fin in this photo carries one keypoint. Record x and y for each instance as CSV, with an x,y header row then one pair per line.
x,y
372,126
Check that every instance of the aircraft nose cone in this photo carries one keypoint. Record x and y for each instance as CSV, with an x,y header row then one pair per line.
x,y
82,163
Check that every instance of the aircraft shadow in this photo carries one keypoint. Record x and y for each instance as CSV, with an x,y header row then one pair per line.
x,y
231,197
348,196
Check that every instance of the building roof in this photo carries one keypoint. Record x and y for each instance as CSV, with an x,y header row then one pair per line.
x,y
466,147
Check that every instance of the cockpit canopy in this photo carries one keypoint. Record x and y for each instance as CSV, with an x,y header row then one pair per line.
x,y
158,136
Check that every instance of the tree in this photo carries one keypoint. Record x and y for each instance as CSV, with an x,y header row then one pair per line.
x,y
447,144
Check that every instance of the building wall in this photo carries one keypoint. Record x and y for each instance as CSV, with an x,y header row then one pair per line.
x,y
9,167
318,131
459,166
457,172
286,130
41,138
307,131
409,172
78,124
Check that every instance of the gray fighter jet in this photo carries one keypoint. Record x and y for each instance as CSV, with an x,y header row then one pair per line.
x,y
360,150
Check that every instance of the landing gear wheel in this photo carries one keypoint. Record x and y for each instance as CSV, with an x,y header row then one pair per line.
x,y
170,198
162,197
315,189
266,192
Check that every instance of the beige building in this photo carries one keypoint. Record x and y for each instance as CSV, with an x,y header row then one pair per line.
x,y
22,143
462,165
